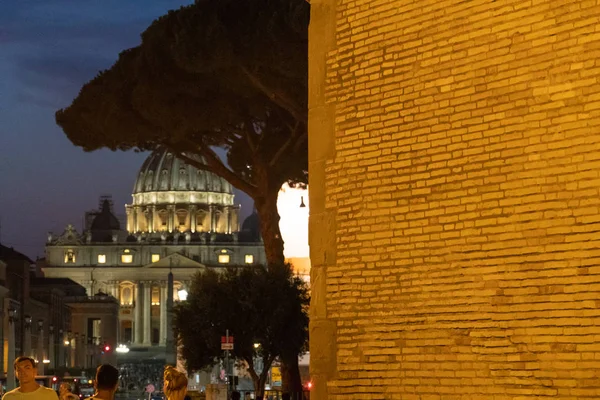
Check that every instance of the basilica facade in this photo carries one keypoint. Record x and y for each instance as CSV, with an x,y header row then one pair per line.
x,y
181,220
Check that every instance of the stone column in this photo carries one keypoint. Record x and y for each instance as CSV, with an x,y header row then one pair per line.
x,y
235,224
171,350
146,214
193,223
170,218
137,314
135,219
228,220
115,290
129,219
151,219
147,314
163,314
84,351
74,350
213,217
60,362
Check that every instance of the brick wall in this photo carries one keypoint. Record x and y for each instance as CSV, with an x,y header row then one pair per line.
x,y
455,205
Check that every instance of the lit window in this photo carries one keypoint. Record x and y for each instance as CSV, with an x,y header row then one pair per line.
x,y
126,257
223,258
155,257
155,296
249,259
101,258
69,257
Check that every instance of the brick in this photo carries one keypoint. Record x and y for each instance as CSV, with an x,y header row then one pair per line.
x,y
464,184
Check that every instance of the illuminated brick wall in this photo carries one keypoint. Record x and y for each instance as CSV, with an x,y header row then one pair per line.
x,y
455,220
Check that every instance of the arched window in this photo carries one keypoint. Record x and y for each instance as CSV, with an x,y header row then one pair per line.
x,y
182,217
127,294
69,257
163,216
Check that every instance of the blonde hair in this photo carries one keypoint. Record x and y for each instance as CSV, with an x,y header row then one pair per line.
x,y
174,382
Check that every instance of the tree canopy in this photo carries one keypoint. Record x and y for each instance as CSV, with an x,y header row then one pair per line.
x,y
256,305
221,73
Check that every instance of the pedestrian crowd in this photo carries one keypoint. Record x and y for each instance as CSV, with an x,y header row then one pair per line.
x,y
106,383
136,376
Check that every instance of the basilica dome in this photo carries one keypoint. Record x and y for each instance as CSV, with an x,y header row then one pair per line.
x,y
166,179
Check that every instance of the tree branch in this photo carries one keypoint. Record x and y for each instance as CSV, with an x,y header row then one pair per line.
x,y
248,135
280,99
284,147
214,165
300,140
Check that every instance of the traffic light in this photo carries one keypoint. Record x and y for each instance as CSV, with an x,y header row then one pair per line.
x,y
106,348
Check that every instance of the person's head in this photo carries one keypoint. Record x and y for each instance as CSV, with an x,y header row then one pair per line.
x,y
25,370
107,378
235,395
64,388
175,384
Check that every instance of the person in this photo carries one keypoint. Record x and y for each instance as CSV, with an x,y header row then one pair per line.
x,y
64,392
25,371
175,384
235,395
106,382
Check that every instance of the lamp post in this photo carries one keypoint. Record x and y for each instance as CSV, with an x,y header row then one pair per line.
x,y
40,348
27,345
10,370
51,346
69,355
59,347
75,350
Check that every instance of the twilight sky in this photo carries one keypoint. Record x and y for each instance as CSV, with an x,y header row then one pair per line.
x,y
48,50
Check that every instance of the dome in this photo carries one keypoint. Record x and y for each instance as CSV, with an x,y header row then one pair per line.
x,y
105,220
162,171
251,229
166,179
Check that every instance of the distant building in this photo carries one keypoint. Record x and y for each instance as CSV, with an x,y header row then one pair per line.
x,y
182,219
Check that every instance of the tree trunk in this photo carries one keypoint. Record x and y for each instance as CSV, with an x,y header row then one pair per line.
x,y
259,386
292,382
266,207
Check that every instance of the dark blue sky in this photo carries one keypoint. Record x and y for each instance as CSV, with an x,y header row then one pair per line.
x,y
48,50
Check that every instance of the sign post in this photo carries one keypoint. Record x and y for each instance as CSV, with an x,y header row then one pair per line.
x,y
227,345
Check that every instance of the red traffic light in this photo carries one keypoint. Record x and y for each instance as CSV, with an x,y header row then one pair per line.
x,y
54,379
309,385
107,348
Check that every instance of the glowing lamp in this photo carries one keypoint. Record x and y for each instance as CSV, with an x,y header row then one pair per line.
x,y
122,349
183,294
